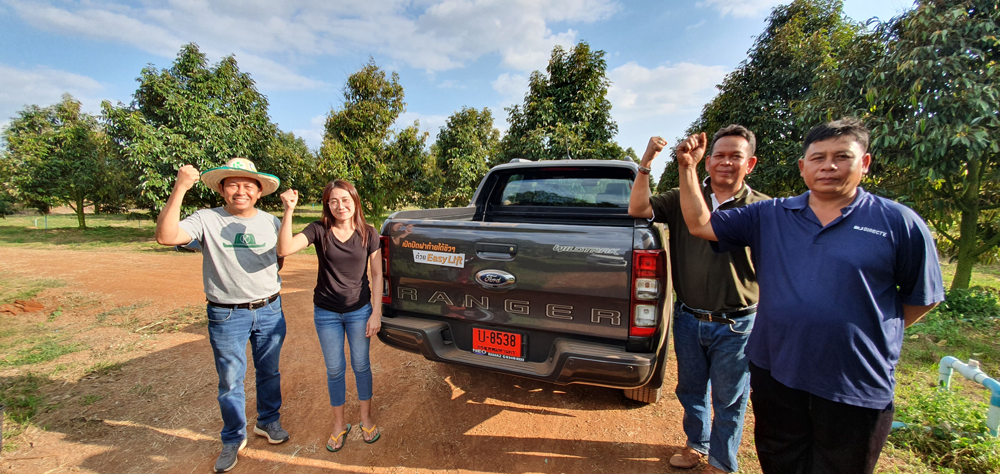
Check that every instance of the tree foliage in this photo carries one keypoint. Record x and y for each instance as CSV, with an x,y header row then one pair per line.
x,y
359,144
934,105
295,164
193,114
7,200
56,153
801,40
566,113
462,152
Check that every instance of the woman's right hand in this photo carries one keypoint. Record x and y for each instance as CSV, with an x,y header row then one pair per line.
x,y
290,198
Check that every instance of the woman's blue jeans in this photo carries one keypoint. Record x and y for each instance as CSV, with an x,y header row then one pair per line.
x,y
331,328
711,361
229,330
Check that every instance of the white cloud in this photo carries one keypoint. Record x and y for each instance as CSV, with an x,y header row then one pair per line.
x,y
696,25
44,87
115,26
639,93
270,74
428,123
451,84
426,35
740,8
518,31
314,134
511,87
660,101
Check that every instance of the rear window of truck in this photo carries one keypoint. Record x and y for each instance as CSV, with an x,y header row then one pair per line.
x,y
562,187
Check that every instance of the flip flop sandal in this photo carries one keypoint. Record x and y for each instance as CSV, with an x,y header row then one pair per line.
x,y
370,431
333,440
686,459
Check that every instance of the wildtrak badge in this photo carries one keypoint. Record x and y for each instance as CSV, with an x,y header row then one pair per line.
x,y
573,248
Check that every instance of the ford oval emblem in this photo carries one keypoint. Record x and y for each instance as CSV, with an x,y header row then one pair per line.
x,y
495,279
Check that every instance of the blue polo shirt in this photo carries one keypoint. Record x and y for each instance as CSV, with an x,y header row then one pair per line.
x,y
830,315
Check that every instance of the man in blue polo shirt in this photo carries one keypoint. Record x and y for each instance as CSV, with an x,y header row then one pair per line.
x,y
841,273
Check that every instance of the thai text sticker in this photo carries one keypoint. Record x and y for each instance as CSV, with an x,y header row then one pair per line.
x,y
456,260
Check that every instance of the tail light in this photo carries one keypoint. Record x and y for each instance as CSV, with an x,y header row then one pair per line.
x,y
648,267
386,292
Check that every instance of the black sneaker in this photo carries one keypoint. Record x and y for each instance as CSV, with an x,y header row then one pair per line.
x,y
272,431
227,459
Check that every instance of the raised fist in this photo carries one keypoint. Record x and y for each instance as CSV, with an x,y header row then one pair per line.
x,y
187,176
691,150
655,146
290,198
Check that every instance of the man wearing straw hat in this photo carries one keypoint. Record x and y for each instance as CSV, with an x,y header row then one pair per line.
x,y
240,273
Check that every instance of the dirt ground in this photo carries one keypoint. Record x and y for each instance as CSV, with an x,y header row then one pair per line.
x,y
159,413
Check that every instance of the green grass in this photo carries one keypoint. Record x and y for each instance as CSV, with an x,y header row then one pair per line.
x,y
103,230
132,231
22,399
89,399
141,390
181,318
946,429
105,367
43,351
982,275
12,289
90,238
122,315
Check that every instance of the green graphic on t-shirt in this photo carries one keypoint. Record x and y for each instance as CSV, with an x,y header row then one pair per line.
x,y
243,241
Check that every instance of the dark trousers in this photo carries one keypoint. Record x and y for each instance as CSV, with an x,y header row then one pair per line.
x,y
799,433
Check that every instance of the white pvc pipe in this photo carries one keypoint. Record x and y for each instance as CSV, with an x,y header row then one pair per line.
x,y
971,371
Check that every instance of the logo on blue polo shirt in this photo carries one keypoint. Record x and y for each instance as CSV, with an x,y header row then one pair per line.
x,y
871,231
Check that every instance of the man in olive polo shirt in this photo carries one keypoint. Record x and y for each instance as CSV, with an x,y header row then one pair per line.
x,y
716,302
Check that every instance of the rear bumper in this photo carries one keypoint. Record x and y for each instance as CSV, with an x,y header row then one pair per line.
x,y
571,362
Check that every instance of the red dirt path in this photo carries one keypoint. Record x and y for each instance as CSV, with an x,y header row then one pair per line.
x,y
433,417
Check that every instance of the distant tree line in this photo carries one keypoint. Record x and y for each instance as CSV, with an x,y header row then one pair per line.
x,y
927,83
195,113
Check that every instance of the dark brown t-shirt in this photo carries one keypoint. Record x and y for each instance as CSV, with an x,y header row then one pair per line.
x,y
704,279
342,284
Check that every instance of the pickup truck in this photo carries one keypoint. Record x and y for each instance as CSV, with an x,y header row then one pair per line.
x,y
544,275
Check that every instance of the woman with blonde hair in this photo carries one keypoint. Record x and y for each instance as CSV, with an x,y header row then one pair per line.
x,y
346,304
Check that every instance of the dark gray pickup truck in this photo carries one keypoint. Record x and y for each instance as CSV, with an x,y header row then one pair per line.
x,y
543,276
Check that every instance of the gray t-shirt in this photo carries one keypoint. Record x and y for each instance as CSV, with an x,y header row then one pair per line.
x,y
240,257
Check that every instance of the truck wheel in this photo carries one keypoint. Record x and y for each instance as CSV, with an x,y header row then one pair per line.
x,y
644,394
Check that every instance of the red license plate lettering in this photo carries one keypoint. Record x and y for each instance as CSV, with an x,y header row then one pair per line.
x,y
497,343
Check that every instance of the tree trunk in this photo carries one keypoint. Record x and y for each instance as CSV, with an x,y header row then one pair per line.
x,y
966,249
968,227
79,211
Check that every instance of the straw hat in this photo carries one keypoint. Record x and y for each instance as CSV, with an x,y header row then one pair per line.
x,y
243,168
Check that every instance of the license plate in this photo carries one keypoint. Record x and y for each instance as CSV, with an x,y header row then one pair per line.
x,y
506,345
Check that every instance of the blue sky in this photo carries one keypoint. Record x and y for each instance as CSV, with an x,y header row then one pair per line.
x,y
664,58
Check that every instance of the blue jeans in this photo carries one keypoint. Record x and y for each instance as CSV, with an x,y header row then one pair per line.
x,y
711,360
229,330
331,328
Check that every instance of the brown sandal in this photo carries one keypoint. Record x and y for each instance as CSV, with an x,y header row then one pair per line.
x,y
686,459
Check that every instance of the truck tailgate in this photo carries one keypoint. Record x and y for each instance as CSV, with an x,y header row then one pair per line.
x,y
526,279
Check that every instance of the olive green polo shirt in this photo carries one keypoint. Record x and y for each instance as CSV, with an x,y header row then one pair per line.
x,y
702,278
